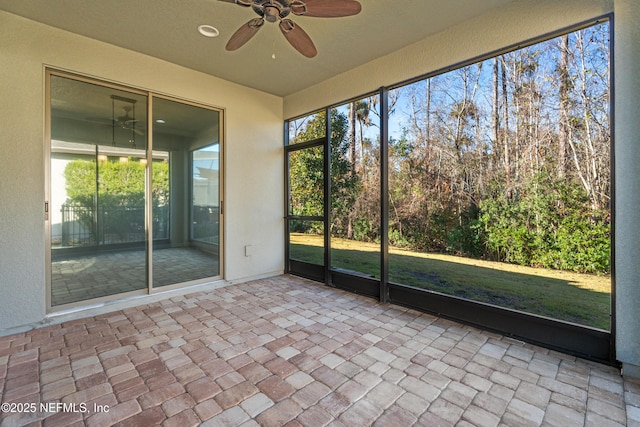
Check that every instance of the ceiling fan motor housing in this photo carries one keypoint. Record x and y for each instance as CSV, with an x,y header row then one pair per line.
x,y
271,10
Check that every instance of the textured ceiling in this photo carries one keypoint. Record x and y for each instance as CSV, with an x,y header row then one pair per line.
x,y
167,29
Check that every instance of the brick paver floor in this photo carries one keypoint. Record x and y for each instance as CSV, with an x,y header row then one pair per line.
x,y
286,351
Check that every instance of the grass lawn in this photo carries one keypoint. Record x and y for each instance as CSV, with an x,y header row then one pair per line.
x,y
580,298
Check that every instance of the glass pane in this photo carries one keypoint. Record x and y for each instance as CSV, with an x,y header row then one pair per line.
x,y
307,128
98,157
355,187
121,206
205,187
499,177
186,193
306,182
306,241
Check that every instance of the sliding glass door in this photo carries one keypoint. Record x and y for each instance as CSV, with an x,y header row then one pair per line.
x,y
185,193
97,166
111,194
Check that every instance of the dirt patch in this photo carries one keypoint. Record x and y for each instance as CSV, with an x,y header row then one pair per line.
x,y
433,281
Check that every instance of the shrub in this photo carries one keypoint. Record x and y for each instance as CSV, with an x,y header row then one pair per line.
x,y
547,223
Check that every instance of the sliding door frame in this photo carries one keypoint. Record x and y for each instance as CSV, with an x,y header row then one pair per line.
x,y
148,204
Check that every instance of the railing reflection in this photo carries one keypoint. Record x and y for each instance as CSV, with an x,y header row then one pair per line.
x,y
87,226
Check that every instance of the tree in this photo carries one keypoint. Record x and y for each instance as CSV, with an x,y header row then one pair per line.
x,y
565,86
306,172
116,183
534,232
502,159
110,195
481,137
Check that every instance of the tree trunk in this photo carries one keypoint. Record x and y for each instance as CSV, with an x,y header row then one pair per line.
x,y
427,131
495,116
564,110
352,154
505,132
352,137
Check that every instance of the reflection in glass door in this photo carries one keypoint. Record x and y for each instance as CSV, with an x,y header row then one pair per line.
x,y
186,193
97,220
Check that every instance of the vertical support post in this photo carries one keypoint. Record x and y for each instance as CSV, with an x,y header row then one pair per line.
x,y
327,198
287,200
627,184
384,195
148,197
612,189
97,221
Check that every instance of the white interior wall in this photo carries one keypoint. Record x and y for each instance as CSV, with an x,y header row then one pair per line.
x,y
253,155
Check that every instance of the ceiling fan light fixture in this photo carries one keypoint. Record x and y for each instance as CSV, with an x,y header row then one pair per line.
x,y
271,13
208,31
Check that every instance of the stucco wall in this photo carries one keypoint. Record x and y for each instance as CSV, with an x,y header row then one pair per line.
x,y
253,150
627,179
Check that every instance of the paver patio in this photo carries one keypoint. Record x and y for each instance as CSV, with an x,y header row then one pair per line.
x,y
287,351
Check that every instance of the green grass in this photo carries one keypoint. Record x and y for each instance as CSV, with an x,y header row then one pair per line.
x,y
580,298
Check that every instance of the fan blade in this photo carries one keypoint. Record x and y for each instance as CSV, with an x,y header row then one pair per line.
x,y
325,8
298,38
244,34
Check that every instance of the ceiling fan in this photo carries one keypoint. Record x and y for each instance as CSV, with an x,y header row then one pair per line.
x,y
278,10
127,122
124,121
